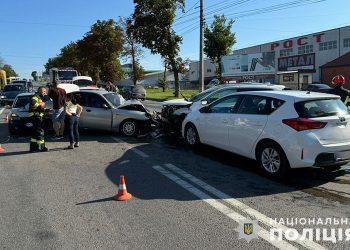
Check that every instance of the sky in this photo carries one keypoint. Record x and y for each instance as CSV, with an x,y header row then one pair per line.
x,y
33,31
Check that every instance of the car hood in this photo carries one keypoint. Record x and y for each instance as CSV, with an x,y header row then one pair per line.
x,y
176,102
21,112
130,102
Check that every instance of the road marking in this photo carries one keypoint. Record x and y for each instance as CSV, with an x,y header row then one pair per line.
x,y
2,110
309,244
135,150
264,234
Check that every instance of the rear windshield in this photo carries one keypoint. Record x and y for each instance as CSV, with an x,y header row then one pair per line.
x,y
321,108
14,88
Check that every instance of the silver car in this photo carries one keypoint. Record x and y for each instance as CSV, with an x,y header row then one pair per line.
x,y
102,110
109,111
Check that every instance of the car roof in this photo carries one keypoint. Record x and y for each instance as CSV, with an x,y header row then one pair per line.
x,y
296,95
25,94
98,91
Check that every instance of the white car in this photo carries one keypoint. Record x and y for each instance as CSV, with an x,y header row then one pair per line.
x,y
279,129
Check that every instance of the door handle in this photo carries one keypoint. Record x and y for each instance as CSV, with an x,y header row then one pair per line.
x,y
88,110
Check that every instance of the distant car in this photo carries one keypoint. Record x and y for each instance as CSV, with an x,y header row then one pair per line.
x,y
109,111
9,93
133,92
279,129
318,87
19,121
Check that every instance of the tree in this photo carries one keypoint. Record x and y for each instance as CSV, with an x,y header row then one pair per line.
x,y
218,40
35,75
100,49
9,70
152,28
132,50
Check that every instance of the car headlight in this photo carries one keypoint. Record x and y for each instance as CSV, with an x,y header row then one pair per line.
x,y
2,97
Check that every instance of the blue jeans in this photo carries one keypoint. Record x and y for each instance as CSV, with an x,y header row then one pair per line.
x,y
73,129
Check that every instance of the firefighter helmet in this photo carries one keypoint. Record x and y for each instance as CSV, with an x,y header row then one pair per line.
x,y
338,80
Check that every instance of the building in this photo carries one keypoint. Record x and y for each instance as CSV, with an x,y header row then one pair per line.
x,y
339,66
209,71
293,62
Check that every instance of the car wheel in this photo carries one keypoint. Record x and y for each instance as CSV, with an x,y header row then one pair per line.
x,y
272,159
191,135
129,128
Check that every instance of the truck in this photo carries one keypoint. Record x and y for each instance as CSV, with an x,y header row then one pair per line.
x,y
3,81
63,75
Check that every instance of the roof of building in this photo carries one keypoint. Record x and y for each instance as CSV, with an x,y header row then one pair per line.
x,y
344,60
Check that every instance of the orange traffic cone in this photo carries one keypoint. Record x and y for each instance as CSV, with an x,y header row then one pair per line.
x,y
1,149
123,194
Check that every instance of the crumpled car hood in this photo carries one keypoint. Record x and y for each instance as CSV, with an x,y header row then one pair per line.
x,y
176,102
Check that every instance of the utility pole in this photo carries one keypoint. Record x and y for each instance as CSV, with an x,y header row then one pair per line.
x,y
201,42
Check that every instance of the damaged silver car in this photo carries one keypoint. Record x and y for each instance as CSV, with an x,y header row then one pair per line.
x,y
109,111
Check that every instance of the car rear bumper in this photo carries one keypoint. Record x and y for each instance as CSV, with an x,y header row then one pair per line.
x,y
332,159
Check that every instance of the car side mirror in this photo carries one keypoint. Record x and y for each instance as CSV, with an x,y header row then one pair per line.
x,y
105,106
204,102
205,109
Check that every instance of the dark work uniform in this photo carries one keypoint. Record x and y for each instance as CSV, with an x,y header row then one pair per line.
x,y
36,114
342,92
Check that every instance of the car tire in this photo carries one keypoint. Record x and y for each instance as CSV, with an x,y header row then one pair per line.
x,y
272,160
129,128
191,135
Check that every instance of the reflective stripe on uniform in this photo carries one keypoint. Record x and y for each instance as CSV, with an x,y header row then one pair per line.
x,y
36,113
37,141
347,100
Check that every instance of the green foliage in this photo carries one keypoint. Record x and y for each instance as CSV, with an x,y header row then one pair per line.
x,y
35,75
218,40
152,28
97,54
10,72
163,83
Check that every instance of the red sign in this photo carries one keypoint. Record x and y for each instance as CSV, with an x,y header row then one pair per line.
x,y
300,41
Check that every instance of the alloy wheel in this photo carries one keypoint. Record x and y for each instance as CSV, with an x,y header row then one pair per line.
x,y
271,160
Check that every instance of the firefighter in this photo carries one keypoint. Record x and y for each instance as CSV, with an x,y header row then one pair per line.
x,y
36,114
338,81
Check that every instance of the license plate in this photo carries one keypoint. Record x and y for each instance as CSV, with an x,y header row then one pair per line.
x,y
29,125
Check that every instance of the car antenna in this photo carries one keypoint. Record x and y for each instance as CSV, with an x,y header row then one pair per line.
x,y
183,96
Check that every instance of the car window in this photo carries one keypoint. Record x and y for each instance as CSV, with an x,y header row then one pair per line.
x,y
321,108
115,99
257,105
94,101
201,95
225,105
219,94
80,98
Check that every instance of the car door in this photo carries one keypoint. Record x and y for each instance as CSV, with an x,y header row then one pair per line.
x,y
97,113
213,124
248,123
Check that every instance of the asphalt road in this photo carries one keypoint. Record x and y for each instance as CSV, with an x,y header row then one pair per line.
x,y
182,199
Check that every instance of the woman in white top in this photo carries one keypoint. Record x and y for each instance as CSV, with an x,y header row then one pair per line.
x,y
73,111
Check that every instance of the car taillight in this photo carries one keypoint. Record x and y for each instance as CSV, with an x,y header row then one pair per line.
x,y
300,124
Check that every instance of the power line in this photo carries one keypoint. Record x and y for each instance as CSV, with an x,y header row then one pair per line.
x,y
183,15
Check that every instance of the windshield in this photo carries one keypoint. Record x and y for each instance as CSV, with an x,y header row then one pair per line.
x,y
66,75
83,83
321,108
13,88
22,102
115,99
202,95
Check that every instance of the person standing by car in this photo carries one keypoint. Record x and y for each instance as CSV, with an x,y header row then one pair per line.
x,y
73,110
338,81
58,97
36,114
110,87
